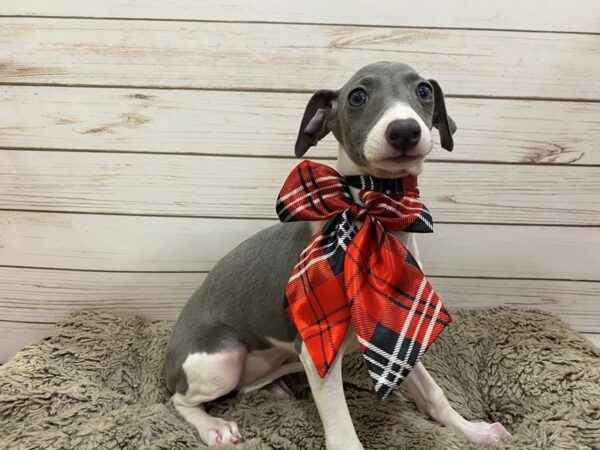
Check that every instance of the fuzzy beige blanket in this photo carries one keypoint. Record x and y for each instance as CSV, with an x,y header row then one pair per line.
x,y
95,382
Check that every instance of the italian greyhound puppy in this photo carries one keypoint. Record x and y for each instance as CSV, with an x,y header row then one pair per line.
x,y
234,333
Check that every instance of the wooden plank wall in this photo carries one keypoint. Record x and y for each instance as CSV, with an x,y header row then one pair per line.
x,y
122,122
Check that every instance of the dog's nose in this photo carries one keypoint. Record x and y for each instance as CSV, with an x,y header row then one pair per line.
x,y
403,134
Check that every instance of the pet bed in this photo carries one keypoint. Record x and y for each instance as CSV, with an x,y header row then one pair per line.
x,y
95,382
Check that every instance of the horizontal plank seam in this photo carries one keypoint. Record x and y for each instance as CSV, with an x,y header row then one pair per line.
x,y
285,91
310,24
200,216
591,333
466,277
583,332
266,156
72,269
460,277
28,322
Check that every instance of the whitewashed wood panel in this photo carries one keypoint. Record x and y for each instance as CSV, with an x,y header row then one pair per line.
x,y
512,251
129,243
575,302
289,58
292,57
576,15
16,335
119,242
40,295
266,124
247,187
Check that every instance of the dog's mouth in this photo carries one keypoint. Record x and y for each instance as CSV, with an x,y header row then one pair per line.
x,y
398,164
402,158
405,157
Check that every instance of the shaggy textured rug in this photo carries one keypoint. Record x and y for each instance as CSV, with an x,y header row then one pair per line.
x,y
95,382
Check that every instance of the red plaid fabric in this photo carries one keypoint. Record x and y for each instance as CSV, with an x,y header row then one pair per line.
x,y
362,276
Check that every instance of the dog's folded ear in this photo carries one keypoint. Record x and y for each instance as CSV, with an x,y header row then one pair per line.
x,y
441,120
314,127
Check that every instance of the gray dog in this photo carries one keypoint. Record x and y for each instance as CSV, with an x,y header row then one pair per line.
x,y
234,333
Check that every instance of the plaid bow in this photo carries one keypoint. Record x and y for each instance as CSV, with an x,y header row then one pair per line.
x,y
365,276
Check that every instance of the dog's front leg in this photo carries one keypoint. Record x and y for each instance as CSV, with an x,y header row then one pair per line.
x,y
430,399
328,394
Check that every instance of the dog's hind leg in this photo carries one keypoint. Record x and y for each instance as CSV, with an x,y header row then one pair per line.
x,y
209,376
430,399
273,377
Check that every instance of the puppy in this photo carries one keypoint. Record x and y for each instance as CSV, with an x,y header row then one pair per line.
x,y
234,333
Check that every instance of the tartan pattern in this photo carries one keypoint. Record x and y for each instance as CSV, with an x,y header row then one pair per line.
x,y
365,277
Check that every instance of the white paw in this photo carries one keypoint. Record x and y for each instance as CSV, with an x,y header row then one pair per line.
x,y
279,389
221,432
483,433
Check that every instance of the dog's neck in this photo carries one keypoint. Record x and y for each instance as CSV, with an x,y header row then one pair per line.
x,y
346,167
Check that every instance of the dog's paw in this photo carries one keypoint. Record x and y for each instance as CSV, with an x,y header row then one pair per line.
x,y
221,432
485,434
279,389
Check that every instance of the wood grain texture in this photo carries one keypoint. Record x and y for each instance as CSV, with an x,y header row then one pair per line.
x,y
119,242
41,295
126,243
275,57
35,298
194,88
211,186
266,124
14,336
576,15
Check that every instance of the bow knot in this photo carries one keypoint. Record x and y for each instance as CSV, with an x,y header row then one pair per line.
x,y
360,275
359,212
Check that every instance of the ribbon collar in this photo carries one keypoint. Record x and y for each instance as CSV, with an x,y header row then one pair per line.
x,y
365,277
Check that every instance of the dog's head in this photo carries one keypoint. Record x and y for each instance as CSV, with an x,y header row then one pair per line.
x,y
382,118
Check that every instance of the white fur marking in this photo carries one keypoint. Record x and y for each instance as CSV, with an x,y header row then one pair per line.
x,y
210,375
431,399
328,394
377,149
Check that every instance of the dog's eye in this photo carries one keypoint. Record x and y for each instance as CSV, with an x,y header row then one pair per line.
x,y
358,97
424,92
